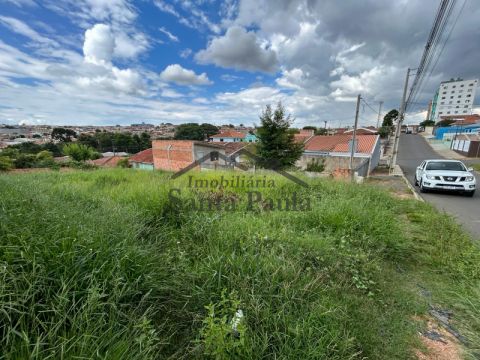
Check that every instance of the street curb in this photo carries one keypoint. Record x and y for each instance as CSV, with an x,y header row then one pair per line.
x,y
412,189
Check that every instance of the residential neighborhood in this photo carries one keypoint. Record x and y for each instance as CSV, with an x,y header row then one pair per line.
x,y
238,179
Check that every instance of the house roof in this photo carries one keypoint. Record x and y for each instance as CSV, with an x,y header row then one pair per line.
x,y
145,156
339,143
362,131
463,119
301,138
229,134
107,161
233,147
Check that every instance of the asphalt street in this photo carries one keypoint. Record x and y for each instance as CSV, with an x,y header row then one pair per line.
x,y
413,149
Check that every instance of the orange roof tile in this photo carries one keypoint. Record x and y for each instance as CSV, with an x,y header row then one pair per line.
x,y
229,134
339,143
145,156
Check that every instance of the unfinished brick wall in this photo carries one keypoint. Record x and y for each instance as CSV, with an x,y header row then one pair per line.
x,y
172,155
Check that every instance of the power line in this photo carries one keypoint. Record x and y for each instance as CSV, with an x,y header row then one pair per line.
x,y
431,55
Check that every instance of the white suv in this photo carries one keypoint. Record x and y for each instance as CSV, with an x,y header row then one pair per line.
x,y
450,175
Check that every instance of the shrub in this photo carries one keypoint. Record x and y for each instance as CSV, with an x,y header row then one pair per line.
x,y
123,163
5,163
24,161
316,165
79,152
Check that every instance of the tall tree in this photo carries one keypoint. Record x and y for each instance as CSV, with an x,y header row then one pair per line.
x,y
276,147
193,131
390,117
63,135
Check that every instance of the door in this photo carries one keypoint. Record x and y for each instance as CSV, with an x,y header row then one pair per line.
x,y
419,171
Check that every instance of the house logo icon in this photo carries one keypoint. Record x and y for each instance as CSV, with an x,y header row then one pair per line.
x,y
231,163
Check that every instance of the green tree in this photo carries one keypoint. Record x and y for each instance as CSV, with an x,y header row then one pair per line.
x,y
314,128
5,163
427,123
209,129
390,117
321,131
80,152
276,146
63,135
384,131
193,131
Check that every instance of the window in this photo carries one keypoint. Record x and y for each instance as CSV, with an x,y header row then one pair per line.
x,y
441,112
457,106
469,95
469,90
214,156
444,92
458,101
445,165
442,103
464,111
451,97
470,84
450,102
466,106
462,85
221,140
454,86
467,101
453,91
443,97
456,112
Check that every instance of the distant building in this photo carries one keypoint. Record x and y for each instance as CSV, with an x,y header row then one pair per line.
x,y
303,136
142,160
454,97
174,155
228,136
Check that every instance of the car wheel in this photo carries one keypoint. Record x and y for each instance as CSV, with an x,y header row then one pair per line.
x,y
416,181
470,193
422,188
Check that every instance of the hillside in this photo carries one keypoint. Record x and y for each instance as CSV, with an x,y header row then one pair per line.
x,y
99,264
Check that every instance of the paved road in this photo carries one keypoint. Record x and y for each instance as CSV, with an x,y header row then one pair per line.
x,y
413,149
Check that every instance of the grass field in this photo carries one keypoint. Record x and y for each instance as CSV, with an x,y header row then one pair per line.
x,y
99,264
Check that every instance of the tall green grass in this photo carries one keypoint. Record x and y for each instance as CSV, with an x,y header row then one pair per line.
x,y
101,265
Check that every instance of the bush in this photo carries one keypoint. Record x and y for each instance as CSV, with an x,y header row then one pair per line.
x,y
5,163
25,161
79,152
316,165
123,163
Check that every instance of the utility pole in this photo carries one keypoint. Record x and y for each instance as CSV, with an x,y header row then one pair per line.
x,y
325,121
354,139
379,113
399,123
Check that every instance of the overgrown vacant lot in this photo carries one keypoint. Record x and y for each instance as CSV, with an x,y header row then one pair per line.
x,y
100,264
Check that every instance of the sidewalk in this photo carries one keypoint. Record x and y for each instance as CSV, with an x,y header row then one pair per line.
x,y
443,149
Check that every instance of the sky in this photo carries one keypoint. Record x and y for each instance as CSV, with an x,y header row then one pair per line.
x,y
108,62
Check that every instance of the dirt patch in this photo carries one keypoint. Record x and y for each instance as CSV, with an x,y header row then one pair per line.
x,y
439,343
394,184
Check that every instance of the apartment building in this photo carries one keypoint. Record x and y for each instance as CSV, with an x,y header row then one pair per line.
x,y
454,97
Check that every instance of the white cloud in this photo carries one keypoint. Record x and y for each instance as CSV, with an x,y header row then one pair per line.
x,y
129,45
177,74
169,34
170,93
166,7
99,44
185,53
21,28
239,49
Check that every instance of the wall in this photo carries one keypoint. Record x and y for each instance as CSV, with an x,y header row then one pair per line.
x,y
143,166
331,162
201,150
172,155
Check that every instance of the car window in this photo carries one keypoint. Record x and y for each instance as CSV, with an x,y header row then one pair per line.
x,y
445,165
